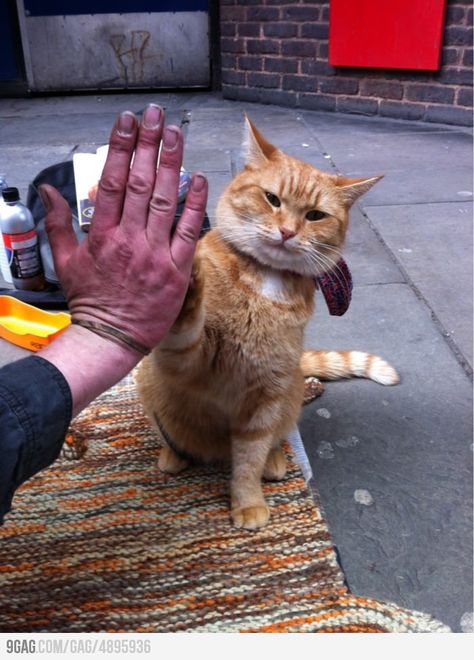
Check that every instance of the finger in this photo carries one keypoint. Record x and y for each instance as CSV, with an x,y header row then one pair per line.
x,y
165,193
111,192
189,226
58,225
142,175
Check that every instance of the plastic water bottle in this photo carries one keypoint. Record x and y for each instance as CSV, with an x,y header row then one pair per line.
x,y
21,242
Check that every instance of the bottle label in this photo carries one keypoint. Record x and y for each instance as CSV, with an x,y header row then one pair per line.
x,y
23,254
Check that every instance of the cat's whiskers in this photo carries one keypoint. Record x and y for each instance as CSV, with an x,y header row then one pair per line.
x,y
319,258
240,235
316,264
237,216
331,266
327,246
323,259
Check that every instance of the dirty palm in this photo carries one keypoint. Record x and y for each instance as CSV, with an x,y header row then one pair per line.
x,y
236,349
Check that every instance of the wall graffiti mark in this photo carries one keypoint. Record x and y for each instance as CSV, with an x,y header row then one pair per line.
x,y
129,50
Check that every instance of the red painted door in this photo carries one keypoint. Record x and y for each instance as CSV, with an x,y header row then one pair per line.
x,y
389,34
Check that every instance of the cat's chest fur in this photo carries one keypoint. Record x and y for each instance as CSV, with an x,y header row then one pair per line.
x,y
258,316
272,287
253,297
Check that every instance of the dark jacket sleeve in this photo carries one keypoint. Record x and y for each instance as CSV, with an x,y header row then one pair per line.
x,y
35,411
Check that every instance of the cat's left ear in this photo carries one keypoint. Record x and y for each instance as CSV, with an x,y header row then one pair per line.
x,y
352,189
256,148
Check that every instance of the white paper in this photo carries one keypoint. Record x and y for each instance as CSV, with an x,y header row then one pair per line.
x,y
87,172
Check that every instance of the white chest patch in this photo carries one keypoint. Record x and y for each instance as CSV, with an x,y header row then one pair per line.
x,y
273,288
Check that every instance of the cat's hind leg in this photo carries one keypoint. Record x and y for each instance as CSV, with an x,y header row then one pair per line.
x,y
275,466
148,388
170,459
170,462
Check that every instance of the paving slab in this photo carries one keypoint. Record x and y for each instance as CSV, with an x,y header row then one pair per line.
x,y
56,129
279,126
22,164
367,258
52,129
308,152
419,167
206,160
91,103
350,125
10,352
66,105
407,536
420,186
217,182
407,152
223,133
433,242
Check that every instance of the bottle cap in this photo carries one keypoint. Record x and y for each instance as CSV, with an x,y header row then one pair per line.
x,y
11,194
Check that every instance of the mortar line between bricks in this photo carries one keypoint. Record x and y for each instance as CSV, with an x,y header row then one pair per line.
x,y
455,349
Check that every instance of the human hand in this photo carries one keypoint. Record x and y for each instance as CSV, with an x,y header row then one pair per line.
x,y
129,272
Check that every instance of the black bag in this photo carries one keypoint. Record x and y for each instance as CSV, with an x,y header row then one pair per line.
x,y
61,176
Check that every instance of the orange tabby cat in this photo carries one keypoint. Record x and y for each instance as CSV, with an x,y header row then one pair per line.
x,y
227,382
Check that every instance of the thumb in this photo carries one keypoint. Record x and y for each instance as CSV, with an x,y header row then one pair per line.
x,y
58,225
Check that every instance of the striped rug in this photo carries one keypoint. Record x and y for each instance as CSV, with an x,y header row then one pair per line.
x,y
102,541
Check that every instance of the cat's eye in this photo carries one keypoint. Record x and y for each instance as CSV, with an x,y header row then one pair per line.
x,y
273,199
315,215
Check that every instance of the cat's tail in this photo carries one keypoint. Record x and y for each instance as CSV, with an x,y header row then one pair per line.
x,y
331,365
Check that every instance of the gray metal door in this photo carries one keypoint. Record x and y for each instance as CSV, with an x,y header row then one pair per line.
x,y
115,44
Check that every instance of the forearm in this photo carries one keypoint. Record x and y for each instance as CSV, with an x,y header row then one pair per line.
x,y
35,411
89,363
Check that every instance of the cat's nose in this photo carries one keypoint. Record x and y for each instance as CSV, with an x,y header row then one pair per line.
x,y
286,233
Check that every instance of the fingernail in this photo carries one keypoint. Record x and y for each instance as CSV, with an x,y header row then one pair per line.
x,y
198,182
126,124
170,138
152,116
45,198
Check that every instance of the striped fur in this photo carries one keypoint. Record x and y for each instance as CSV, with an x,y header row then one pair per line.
x,y
331,365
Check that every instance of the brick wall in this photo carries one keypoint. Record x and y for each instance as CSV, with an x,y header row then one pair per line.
x,y
276,51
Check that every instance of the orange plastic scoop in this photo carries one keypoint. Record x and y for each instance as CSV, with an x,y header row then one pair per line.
x,y
27,326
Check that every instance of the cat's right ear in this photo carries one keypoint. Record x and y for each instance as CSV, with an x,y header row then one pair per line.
x,y
352,189
257,150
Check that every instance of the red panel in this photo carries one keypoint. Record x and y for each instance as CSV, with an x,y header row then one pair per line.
x,y
390,34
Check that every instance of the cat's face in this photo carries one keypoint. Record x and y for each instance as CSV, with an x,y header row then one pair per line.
x,y
285,213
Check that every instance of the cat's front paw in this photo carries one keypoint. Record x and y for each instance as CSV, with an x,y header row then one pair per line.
x,y
251,517
192,305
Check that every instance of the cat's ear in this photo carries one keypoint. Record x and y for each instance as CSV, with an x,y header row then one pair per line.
x,y
257,150
352,189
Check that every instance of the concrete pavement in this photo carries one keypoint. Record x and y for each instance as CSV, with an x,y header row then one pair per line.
x,y
405,451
